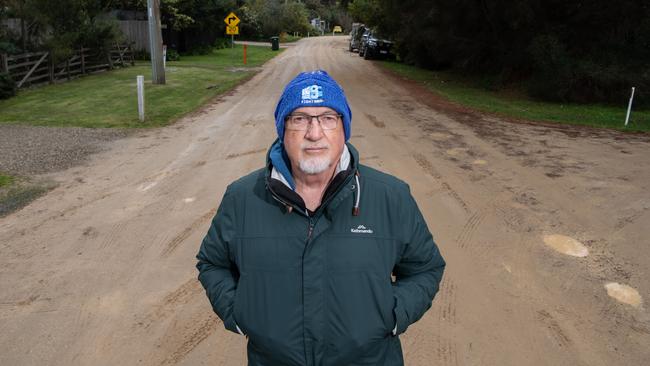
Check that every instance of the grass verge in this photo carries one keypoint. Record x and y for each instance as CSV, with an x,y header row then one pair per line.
x,y
110,99
512,104
6,180
16,193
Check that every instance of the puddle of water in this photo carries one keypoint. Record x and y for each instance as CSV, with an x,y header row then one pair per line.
x,y
479,162
624,293
439,136
566,245
189,199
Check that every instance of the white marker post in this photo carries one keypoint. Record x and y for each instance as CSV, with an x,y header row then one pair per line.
x,y
140,79
164,56
629,107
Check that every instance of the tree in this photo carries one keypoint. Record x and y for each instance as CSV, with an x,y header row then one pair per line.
x,y
571,51
265,18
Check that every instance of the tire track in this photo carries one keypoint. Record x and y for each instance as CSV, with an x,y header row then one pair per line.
x,y
237,155
175,299
191,336
171,246
448,298
428,168
376,122
113,235
446,351
553,327
467,232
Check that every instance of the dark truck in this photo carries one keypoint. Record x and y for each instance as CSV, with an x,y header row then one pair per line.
x,y
374,45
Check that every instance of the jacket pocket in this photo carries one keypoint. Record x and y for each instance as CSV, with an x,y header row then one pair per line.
x,y
235,306
267,309
359,313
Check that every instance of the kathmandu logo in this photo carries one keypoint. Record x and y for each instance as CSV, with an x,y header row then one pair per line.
x,y
312,94
361,230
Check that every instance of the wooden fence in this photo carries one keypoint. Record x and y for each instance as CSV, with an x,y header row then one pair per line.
x,y
136,32
38,67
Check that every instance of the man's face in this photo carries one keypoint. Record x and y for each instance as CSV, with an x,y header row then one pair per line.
x,y
314,150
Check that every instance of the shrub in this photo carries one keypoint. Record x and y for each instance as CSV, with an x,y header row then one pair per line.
x,y
172,55
200,50
7,86
220,43
8,47
561,76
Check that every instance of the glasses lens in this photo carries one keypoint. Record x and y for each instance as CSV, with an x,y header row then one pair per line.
x,y
298,122
301,122
328,121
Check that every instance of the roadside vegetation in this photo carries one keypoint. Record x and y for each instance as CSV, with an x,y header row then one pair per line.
x,y
16,193
110,99
472,93
562,52
5,180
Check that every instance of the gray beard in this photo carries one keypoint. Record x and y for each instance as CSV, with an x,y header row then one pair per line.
x,y
314,165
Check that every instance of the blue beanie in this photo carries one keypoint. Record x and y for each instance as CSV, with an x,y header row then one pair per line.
x,y
312,89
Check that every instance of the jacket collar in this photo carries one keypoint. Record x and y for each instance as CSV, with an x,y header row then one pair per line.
x,y
279,180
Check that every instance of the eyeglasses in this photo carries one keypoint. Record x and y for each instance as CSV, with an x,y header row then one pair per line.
x,y
301,121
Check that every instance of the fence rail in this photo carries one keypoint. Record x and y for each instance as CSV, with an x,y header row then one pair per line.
x,y
38,67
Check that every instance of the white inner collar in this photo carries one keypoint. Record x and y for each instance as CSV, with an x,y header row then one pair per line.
x,y
344,163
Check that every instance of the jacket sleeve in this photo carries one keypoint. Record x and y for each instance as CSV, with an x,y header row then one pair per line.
x,y
217,273
419,270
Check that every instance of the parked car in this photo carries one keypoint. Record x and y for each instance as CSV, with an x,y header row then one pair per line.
x,y
362,41
374,45
355,36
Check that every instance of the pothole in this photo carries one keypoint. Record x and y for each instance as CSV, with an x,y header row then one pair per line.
x,y
479,162
624,293
566,245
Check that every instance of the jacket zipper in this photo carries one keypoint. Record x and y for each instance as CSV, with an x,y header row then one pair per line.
x,y
310,230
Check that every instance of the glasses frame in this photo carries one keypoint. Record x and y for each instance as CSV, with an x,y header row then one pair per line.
x,y
288,122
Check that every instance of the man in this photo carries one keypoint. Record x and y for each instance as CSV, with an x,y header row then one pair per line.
x,y
300,254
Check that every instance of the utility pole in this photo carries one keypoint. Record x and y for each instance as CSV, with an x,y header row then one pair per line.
x,y
155,42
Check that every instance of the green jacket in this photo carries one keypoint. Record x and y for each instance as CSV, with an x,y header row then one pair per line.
x,y
315,288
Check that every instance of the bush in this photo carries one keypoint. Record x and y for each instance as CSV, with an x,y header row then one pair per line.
x,y
7,86
561,76
8,47
220,43
200,50
172,55
552,69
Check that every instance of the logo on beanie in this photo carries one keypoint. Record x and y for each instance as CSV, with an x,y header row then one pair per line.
x,y
312,94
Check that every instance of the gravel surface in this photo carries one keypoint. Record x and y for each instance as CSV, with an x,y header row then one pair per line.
x,y
27,150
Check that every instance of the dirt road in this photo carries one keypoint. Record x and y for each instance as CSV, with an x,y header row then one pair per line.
x,y
101,270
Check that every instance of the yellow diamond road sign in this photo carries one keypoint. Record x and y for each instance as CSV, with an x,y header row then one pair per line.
x,y
231,20
232,30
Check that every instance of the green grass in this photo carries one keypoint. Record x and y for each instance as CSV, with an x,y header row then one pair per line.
x,y
16,192
5,180
516,104
289,38
110,99
20,196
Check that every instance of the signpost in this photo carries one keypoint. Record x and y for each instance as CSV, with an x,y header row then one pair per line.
x,y
231,27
